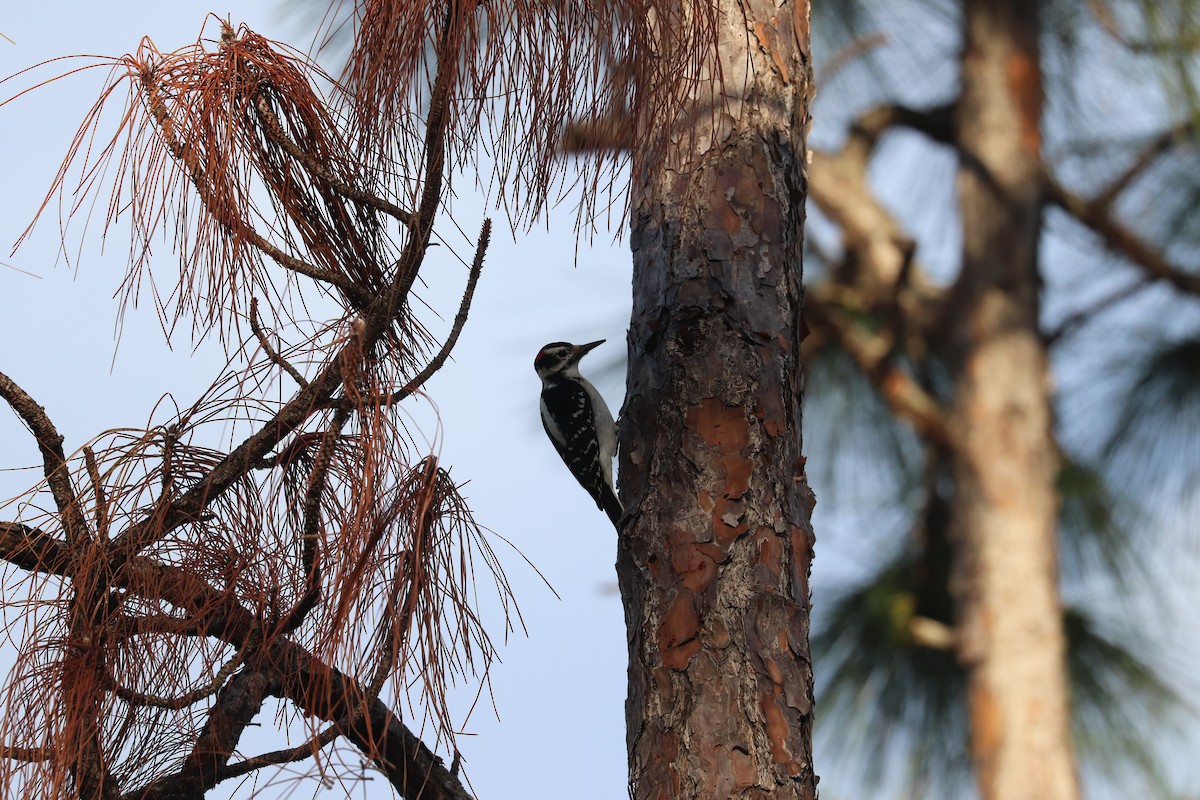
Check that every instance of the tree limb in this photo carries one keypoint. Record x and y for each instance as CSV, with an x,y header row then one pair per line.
x,y
421,226
317,688
237,703
33,549
310,533
272,354
938,123
1157,146
879,250
282,756
28,753
1095,215
460,319
378,314
54,461
321,690
325,692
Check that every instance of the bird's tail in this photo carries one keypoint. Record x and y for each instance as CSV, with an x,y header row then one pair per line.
x,y
611,505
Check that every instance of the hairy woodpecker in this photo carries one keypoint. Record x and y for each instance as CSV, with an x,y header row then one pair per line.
x,y
578,422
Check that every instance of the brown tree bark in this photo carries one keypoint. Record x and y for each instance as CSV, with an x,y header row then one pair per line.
x,y
714,558
1005,508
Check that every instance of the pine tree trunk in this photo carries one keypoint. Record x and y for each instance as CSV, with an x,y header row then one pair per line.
x,y
714,559
1006,505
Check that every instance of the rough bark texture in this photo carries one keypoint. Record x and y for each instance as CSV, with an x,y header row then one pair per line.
x,y
1006,505
714,558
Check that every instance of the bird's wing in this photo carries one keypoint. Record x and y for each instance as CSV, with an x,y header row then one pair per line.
x,y
577,445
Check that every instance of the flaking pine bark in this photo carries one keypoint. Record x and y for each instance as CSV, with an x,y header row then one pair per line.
x,y
714,556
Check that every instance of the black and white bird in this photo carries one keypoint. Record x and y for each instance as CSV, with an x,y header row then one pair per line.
x,y
578,422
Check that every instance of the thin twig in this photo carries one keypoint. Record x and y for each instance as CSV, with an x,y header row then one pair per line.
x,y
1070,323
89,459
852,51
271,352
310,533
460,319
183,700
284,756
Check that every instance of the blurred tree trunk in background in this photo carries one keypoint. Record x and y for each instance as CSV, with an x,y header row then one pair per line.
x,y
714,559
1004,514
995,179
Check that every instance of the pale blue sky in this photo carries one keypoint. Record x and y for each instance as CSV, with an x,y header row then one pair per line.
x,y
560,692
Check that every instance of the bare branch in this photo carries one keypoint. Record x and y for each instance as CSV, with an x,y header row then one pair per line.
x,y
937,123
33,549
54,461
849,53
460,319
212,612
271,352
1116,236
284,756
293,448
310,533
89,458
421,227
28,753
1186,42
1159,145
236,705
1070,323
327,693
882,251
411,767
183,700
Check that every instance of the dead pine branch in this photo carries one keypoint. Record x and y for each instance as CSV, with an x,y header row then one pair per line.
x,y
217,578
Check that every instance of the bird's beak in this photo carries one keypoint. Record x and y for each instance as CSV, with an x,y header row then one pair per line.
x,y
583,349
